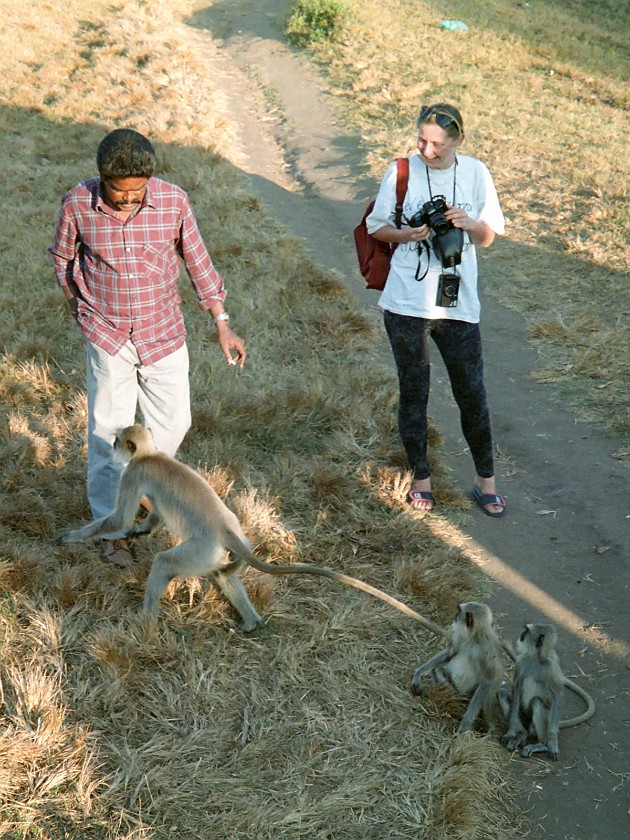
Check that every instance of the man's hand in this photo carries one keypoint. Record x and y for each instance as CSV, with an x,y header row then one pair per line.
x,y
231,344
73,303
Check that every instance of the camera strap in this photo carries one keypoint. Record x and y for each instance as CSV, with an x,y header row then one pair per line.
x,y
426,168
426,270
428,247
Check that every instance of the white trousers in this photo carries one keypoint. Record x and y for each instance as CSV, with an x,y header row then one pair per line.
x,y
116,387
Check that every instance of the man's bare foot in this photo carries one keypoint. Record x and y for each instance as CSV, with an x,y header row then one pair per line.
x,y
117,552
420,496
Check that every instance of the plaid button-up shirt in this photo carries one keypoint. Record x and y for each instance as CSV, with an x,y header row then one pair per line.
x,y
127,273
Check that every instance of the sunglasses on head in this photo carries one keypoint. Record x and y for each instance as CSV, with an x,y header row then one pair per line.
x,y
442,119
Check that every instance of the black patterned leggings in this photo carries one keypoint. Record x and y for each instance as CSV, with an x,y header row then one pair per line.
x,y
459,344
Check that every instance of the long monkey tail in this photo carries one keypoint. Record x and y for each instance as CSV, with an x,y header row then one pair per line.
x,y
236,546
317,571
388,599
590,705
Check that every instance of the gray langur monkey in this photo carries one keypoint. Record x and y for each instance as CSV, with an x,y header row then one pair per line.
x,y
536,693
190,508
473,664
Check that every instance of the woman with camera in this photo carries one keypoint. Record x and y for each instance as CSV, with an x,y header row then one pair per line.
x,y
451,206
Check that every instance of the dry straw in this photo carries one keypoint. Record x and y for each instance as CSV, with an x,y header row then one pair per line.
x,y
115,729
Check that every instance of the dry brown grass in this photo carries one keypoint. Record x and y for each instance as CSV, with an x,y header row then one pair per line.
x,y
543,87
112,728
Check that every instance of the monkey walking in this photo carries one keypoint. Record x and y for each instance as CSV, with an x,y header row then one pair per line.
x,y
536,693
190,508
473,664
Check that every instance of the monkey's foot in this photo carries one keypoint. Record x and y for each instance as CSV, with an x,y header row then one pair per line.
x,y
117,552
532,749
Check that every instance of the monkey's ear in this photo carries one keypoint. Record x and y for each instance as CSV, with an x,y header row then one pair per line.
x,y
470,619
131,446
540,640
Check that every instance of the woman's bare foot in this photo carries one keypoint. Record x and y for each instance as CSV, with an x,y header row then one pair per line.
x,y
420,496
487,487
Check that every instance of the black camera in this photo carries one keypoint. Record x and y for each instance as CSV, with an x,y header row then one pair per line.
x,y
448,290
448,241
433,215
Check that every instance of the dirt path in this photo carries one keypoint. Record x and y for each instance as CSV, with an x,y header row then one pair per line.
x,y
561,554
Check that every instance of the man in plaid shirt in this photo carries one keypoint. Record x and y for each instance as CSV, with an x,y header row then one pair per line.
x,y
116,254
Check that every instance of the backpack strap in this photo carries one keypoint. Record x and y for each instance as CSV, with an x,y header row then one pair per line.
x,y
402,179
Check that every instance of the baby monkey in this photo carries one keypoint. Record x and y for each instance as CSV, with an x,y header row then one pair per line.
x,y
473,664
536,693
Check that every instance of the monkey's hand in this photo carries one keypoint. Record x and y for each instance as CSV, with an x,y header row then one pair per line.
x,y
67,537
418,685
139,531
513,740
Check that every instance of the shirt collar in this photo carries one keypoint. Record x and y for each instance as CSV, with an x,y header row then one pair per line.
x,y
150,197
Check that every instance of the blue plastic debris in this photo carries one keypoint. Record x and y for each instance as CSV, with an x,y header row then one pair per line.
x,y
453,24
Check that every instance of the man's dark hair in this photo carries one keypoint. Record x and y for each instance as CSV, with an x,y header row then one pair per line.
x,y
124,153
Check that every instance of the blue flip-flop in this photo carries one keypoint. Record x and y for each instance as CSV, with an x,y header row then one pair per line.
x,y
486,500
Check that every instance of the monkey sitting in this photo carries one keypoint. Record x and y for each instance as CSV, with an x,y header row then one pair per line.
x,y
536,693
189,507
473,664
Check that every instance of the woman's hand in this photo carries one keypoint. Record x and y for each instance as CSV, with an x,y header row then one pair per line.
x,y
392,234
419,234
478,232
460,218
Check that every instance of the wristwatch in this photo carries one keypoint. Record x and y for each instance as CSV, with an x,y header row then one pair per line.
x,y
222,316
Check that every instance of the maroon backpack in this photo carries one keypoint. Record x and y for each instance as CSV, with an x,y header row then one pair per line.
x,y
375,256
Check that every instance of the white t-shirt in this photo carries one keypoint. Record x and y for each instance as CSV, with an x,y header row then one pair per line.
x,y
475,193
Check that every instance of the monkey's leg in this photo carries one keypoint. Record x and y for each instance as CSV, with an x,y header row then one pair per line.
x,y
428,668
553,728
150,523
516,733
543,727
120,519
99,527
180,561
496,707
474,707
504,696
235,592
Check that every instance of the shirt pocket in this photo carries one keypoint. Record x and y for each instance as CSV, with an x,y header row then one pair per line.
x,y
161,263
